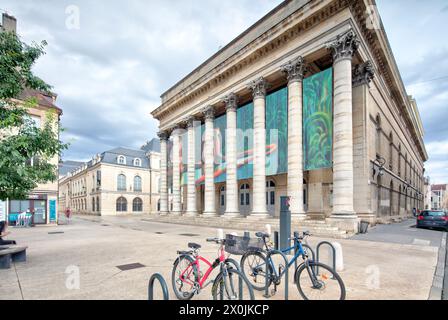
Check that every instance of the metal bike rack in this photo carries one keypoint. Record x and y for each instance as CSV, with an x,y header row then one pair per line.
x,y
332,249
159,277
268,274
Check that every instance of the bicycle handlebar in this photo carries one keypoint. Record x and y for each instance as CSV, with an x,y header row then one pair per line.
x,y
216,240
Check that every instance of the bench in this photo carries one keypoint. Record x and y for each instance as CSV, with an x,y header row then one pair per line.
x,y
12,253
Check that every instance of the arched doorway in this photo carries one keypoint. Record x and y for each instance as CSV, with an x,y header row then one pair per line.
x,y
270,197
245,199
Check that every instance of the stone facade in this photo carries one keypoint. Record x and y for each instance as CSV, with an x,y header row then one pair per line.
x,y
378,150
117,182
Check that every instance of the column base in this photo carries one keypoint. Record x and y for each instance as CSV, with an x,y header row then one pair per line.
x,y
210,214
258,215
191,214
176,213
344,221
235,214
298,215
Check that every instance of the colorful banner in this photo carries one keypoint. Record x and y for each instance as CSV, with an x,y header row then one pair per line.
x,y
220,125
277,132
318,120
244,141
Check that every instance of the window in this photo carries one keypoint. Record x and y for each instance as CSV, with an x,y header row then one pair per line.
x,y
121,160
98,204
137,183
137,205
122,204
137,162
121,182
36,121
93,204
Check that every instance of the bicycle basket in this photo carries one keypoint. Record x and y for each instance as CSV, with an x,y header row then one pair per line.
x,y
240,245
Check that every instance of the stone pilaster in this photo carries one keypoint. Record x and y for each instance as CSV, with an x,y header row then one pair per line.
x,y
209,186
163,135
294,71
259,210
232,210
177,205
343,49
191,183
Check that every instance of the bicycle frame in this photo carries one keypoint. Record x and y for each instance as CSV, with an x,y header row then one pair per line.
x,y
211,267
300,252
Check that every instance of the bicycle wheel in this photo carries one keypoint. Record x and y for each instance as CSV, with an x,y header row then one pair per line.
x,y
184,277
322,283
233,286
253,266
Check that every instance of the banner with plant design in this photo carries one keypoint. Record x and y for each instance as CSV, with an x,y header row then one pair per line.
x,y
318,120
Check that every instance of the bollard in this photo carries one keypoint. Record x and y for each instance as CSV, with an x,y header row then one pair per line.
x,y
246,234
268,229
220,233
339,257
276,240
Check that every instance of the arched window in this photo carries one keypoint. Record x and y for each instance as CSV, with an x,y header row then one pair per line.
x,y
121,160
93,204
137,183
137,162
98,204
137,205
270,196
378,136
244,194
122,204
121,182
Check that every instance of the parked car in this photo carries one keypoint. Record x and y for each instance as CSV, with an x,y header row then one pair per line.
x,y
433,219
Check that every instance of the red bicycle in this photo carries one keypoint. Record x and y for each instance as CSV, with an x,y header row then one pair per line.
x,y
188,280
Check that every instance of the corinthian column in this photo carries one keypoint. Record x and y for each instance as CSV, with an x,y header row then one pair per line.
x,y
191,184
294,71
259,210
163,135
209,193
177,207
231,102
343,49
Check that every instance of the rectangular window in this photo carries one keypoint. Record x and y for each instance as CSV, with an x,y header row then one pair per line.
x,y
242,199
272,198
247,199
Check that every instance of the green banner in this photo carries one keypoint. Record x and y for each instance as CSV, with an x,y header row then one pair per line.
x,y
277,132
318,120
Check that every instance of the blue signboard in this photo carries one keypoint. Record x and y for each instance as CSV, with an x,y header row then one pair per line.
x,y
52,210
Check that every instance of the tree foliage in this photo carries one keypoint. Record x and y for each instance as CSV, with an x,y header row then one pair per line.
x,y
26,150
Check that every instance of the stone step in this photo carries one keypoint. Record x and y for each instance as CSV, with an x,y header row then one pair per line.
x,y
317,228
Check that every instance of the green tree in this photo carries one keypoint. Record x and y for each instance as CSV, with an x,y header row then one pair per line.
x,y
25,149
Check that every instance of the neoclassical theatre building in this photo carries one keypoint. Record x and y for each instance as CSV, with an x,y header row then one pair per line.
x,y
307,103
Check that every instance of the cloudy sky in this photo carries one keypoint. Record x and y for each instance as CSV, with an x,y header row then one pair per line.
x,y
110,69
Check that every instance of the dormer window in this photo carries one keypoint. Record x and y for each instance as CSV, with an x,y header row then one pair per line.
x,y
137,162
121,160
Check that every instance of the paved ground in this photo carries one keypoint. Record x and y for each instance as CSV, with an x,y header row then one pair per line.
x,y
373,270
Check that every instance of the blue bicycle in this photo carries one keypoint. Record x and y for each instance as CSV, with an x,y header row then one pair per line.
x,y
314,280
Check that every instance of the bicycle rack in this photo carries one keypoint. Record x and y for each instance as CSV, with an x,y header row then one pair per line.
x,y
268,274
332,249
159,277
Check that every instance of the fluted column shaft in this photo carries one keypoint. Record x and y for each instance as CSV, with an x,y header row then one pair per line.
x,y
209,186
163,173
177,206
295,71
259,209
231,159
191,184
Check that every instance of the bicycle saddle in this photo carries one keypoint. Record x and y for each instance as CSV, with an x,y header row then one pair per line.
x,y
262,235
194,246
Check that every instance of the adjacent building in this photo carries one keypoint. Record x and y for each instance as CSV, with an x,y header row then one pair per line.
x,y
42,201
117,181
439,197
307,103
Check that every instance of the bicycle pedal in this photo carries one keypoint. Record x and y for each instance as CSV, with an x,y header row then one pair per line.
x,y
273,292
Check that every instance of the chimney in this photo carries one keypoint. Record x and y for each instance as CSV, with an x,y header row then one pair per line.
x,y
9,23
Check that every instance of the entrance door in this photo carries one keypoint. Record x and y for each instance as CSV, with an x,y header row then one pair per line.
x,y
222,200
245,199
40,210
270,197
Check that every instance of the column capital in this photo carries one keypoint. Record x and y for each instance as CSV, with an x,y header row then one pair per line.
x,y
258,87
344,46
294,69
190,121
163,135
363,74
209,113
231,101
